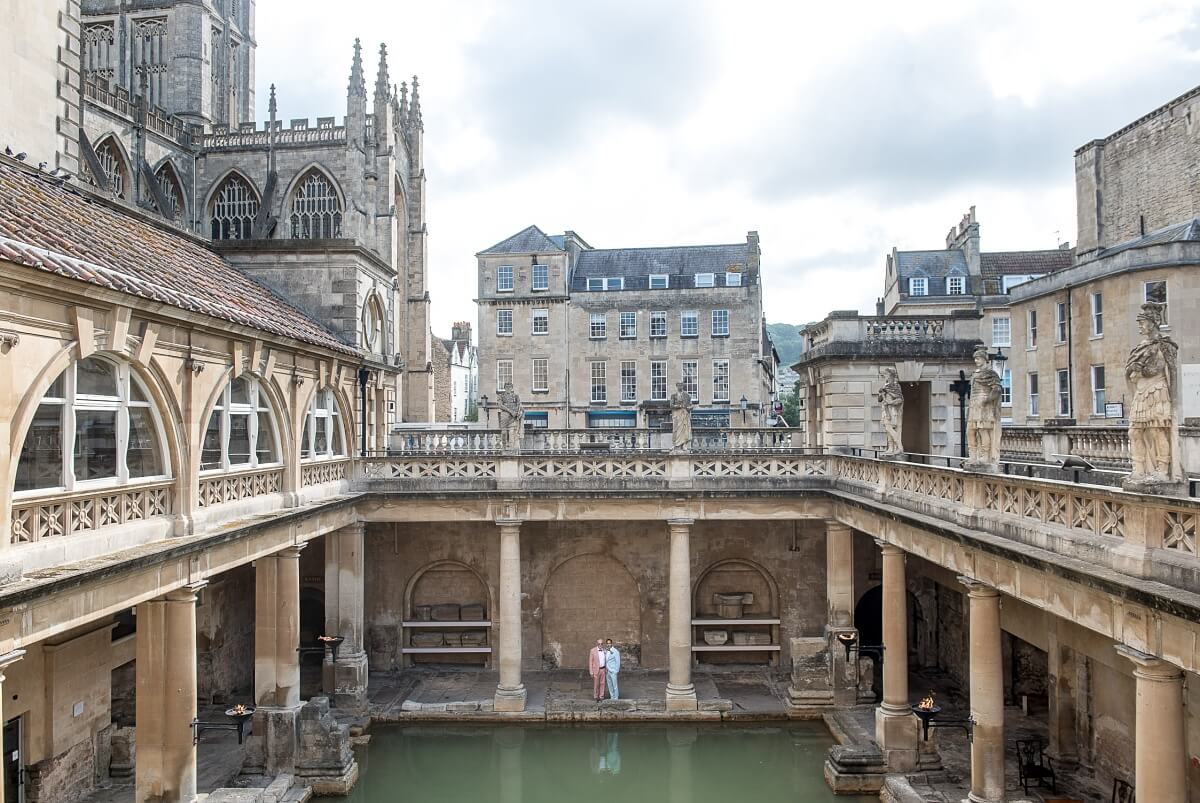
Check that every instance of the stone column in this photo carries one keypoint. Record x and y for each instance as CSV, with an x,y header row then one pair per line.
x,y
166,698
345,680
276,662
895,725
1159,757
1062,666
681,694
510,694
987,694
839,574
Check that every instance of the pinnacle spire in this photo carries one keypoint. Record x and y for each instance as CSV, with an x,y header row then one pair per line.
x,y
382,82
414,111
403,113
272,107
358,84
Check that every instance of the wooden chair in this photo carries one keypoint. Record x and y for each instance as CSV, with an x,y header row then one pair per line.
x,y
1122,792
1033,766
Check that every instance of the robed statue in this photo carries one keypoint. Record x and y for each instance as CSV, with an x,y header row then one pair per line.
x,y
511,418
681,417
1152,371
983,417
891,396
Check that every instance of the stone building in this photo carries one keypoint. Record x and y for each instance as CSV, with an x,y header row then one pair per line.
x,y
599,338
456,375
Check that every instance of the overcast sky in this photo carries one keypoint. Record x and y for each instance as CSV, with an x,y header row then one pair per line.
x,y
835,130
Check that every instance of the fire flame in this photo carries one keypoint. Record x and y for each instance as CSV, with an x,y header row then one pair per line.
x,y
239,709
326,638
926,703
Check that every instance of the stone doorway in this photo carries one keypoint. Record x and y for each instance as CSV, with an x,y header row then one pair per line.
x,y
915,435
589,597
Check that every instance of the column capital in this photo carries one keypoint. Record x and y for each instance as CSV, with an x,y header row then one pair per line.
x,y
185,593
888,549
978,589
832,525
507,523
680,523
358,526
292,552
9,658
1150,667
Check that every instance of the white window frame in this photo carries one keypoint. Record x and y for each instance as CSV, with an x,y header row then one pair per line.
x,y
705,280
627,325
662,280
628,380
1031,324
501,285
502,367
1032,379
1061,322
1099,394
502,316
226,408
720,380
1002,330
598,326
918,286
1097,301
689,374
614,283
692,316
956,285
1165,299
733,278
1062,398
331,415
658,380
599,378
534,272
720,323
1006,387
539,316
539,370
658,323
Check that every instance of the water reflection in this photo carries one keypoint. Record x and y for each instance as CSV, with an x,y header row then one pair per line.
x,y
606,753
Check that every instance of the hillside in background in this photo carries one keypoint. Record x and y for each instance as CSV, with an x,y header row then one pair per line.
x,y
786,337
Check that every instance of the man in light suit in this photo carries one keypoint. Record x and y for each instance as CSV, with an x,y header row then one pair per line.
x,y
612,666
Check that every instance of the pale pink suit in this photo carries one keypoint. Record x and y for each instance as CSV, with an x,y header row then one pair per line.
x,y
596,669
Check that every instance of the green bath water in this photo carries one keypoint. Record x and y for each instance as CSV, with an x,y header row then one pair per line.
x,y
592,764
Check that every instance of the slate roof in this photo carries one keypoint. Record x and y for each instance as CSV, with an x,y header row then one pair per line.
x,y
1188,230
636,265
527,241
934,264
56,229
1024,263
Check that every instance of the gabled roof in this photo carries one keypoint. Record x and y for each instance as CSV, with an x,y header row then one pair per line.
x,y
636,265
1025,263
54,228
934,264
531,240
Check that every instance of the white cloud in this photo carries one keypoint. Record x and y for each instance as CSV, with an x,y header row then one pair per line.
x,y
836,131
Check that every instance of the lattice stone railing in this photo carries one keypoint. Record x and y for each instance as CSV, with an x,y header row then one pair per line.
x,y
216,490
323,472
67,514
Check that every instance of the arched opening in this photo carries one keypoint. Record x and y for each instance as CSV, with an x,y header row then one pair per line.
x,y
116,169
372,324
316,209
447,616
242,430
868,618
233,209
740,602
322,437
95,426
172,190
589,597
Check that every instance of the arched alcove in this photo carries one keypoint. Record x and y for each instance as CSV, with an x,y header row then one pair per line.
x,y
447,615
589,597
755,631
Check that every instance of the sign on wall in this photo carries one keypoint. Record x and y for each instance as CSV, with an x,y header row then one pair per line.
x,y
1189,391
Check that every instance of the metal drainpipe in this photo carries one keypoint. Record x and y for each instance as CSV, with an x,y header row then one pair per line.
x,y
363,376
1070,358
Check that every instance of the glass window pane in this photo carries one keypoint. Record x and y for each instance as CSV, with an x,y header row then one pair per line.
x,y
57,389
95,377
324,400
265,445
41,455
210,450
239,391
305,448
321,445
336,432
143,456
95,444
239,439
135,392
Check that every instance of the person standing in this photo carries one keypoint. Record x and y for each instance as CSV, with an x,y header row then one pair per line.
x,y
597,660
612,666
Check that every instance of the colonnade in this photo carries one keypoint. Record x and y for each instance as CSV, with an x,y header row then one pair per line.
x,y
1160,740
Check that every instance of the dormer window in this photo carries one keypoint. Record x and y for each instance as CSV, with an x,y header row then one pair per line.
x,y
918,286
733,279
705,280
659,281
956,285
606,283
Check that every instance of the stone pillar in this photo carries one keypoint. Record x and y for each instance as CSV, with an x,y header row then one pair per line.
x,y
1159,757
1062,689
987,693
345,680
6,659
510,694
681,693
276,662
166,698
895,724
839,574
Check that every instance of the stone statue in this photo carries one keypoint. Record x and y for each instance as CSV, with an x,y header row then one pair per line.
x,y
681,418
1152,371
891,396
510,417
983,417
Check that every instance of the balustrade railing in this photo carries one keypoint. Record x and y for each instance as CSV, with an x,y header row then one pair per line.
x,y
424,441
902,329
53,516
324,471
232,486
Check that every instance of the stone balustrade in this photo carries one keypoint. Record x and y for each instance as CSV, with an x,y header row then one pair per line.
x,y
1105,447
54,515
848,333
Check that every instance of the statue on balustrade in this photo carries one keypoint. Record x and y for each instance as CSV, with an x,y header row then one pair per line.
x,y
1152,371
983,417
511,418
891,396
681,417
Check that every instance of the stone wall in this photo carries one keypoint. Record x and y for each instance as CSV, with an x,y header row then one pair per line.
x,y
225,638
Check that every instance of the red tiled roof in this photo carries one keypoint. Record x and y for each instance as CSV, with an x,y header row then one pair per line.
x,y
47,226
1023,263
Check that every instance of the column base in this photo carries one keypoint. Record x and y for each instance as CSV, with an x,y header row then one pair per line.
x,y
273,742
510,701
345,681
681,698
974,798
896,734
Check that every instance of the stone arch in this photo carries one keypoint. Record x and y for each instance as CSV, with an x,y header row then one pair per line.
x,y
868,617
736,574
293,188
587,597
288,440
210,200
121,162
457,586
165,171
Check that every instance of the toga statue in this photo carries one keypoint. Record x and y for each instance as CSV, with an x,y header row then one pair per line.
x,y
891,396
510,418
1152,371
681,418
983,417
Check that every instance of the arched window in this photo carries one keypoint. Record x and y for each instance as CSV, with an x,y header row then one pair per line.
x,y
316,210
168,182
241,430
113,163
372,322
95,425
234,209
322,428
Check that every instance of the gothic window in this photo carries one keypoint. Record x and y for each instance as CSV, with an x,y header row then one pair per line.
x,y
149,55
98,51
233,210
322,436
373,324
94,426
316,210
168,182
113,164
241,430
